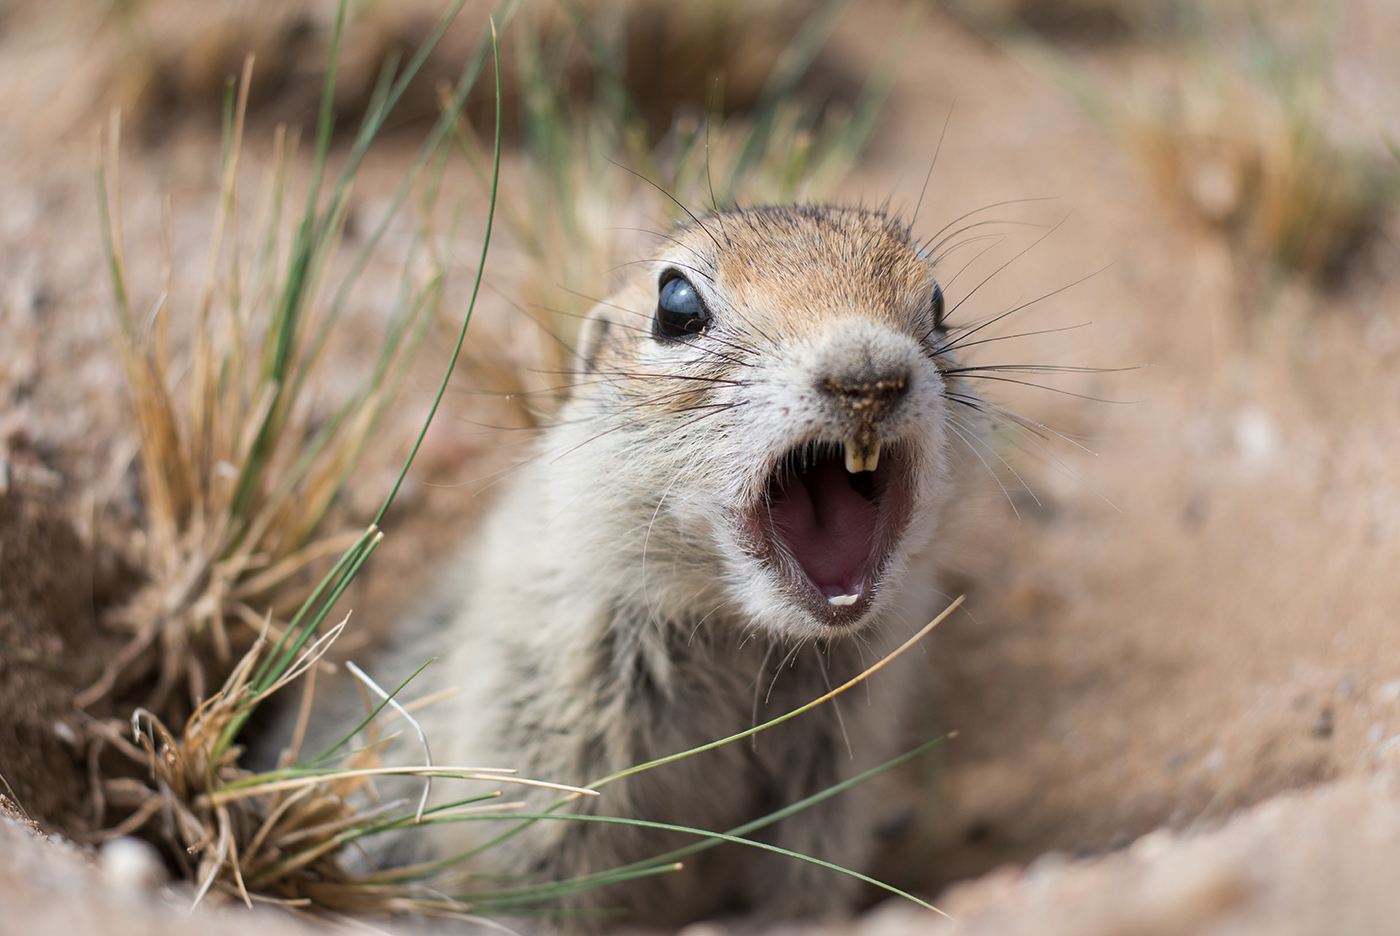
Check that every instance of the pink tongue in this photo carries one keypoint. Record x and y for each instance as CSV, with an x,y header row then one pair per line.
x,y
827,526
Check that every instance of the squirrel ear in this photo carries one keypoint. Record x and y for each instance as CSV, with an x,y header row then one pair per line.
x,y
591,337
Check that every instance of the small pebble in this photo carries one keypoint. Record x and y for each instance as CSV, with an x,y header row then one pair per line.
x,y
65,733
129,864
705,928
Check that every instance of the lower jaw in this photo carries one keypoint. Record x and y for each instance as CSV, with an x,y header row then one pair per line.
x,y
845,615
849,612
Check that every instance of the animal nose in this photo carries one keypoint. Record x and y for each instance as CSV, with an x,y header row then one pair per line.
x,y
866,398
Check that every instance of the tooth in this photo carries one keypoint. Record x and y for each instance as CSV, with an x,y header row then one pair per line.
x,y
854,461
843,601
866,459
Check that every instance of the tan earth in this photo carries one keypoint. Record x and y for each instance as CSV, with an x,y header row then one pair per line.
x,y
1176,683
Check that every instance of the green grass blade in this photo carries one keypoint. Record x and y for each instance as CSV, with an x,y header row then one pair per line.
x,y
802,804
605,878
279,355
476,285
445,122
957,603
792,65
546,892
345,741
375,116
265,675
318,604
114,264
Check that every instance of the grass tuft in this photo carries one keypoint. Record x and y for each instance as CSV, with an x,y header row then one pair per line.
x,y
278,835
239,467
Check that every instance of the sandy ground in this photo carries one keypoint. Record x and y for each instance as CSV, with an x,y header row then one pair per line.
x,y
1176,686
1201,614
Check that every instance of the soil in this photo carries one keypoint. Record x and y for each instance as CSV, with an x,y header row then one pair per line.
x,y
1176,684
1195,614
51,647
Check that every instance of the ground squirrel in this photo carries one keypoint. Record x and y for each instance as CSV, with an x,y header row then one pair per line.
x,y
733,512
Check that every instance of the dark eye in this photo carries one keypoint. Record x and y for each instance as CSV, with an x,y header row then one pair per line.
x,y
936,306
679,311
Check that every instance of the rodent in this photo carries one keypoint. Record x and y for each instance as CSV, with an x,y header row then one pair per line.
x,y
737,508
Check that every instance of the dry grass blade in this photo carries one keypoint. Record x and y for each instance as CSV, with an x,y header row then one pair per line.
x,y
281,835
188,771
372,686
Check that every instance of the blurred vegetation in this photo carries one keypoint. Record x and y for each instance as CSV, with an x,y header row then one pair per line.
x,y
1228,108
240,463
166,60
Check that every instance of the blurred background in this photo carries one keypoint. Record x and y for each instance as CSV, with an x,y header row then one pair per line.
x,y
1180,565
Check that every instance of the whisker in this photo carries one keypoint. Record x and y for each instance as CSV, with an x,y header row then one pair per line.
x,y
836,703
782,665
697,378
538,322
1030,334
1038,429
758,686
703,344
1011,222
689,214
645,261
973,449
1068,393
1039,369
1001,204
942,257
646,543
1025,305
929,175
996,272
976,437
714,410
1031,431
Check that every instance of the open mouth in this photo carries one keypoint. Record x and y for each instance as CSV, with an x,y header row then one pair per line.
x,y
828,520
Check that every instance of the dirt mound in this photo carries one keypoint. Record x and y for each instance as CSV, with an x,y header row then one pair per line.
x,y
41,881
1319,862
